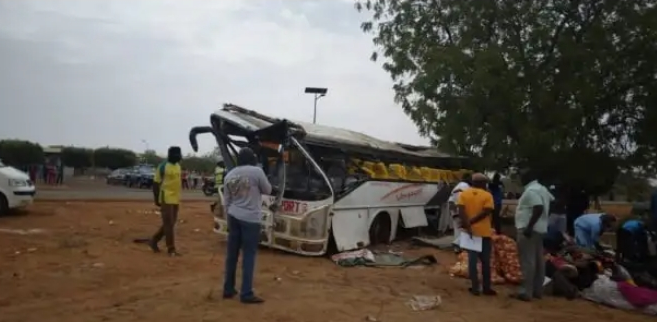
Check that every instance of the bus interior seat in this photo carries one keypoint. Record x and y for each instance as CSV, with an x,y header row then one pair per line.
x,y
414,174
368,167
397,171
426,173
353,166
380,170
435,175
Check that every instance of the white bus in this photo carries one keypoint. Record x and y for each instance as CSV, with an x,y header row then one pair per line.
x,y
333,188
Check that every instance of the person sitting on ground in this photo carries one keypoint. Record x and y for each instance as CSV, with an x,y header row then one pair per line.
x,y
475,207
632,241
590,227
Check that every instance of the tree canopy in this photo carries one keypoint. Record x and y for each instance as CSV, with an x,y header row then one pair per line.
x,y
526,82
20,153
151,157
77,157
114,158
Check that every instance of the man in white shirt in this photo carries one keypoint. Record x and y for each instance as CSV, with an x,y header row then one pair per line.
x,y
531,219
453,197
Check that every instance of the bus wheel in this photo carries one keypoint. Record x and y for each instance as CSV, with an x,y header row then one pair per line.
x,y
332,247
4,205
380,229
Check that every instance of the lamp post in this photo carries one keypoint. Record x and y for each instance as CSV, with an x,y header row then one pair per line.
x,y
145,144
318,92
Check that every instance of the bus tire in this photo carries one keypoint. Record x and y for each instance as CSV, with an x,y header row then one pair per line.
x,y
332,247
4,205
380,229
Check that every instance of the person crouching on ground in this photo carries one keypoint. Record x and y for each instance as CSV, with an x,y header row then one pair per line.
x,y
244,186
167,186
590,227
531,221
632,241
475,207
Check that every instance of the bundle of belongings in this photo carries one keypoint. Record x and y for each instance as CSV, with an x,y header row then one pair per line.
x,y
622,294
622,280
505,267
572,269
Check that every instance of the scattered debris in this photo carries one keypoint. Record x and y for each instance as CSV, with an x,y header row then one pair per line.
x,y
73,242
353,258
22,231
371,318
143,211
424,302
366,257
98,265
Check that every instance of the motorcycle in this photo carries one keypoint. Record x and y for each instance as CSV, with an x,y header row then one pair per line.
x,y
209,188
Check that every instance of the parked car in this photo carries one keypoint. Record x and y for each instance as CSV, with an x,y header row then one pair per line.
x,y
140,176
117,176
16,189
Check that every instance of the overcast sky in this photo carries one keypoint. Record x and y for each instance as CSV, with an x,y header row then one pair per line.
x,y
96,73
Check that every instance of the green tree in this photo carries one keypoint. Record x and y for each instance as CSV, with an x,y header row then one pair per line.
x,y
526,82
77,157
21,153
151,157
114,158
203,164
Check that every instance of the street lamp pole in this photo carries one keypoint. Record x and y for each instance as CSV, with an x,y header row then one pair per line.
x,y
145,144
318,93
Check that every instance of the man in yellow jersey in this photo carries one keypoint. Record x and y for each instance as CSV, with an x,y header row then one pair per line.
x,y
475,206
167,190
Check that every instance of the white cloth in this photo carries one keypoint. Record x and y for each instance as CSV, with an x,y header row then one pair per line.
x,y
457,191
454,221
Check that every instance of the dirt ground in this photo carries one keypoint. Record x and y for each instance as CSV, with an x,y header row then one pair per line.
x,y
83,266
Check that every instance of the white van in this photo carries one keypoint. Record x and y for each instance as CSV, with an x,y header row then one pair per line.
x,y
16,189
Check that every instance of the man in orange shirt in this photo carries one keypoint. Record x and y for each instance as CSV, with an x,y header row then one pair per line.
x,y
475,207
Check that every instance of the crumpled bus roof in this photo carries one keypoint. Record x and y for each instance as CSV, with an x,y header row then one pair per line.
x,y
327,135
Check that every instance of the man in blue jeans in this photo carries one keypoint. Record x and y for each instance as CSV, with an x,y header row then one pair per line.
x,y
244,186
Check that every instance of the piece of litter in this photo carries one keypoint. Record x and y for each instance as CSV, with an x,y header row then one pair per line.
x,y
196,230
111,222
424,302
31,250
277,279
21,231
98,265
371,318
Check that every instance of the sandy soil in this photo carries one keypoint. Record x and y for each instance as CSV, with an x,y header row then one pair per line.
x,y
84,267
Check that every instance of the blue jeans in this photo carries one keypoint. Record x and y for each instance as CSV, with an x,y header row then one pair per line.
x,y
484,257
243,236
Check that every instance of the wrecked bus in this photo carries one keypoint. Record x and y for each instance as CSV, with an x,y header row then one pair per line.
x,y
332,188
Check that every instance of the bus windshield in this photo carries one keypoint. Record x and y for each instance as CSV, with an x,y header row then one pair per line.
x,y
283,159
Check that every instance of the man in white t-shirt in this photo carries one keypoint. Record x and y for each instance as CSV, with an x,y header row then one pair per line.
x,y
456,223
